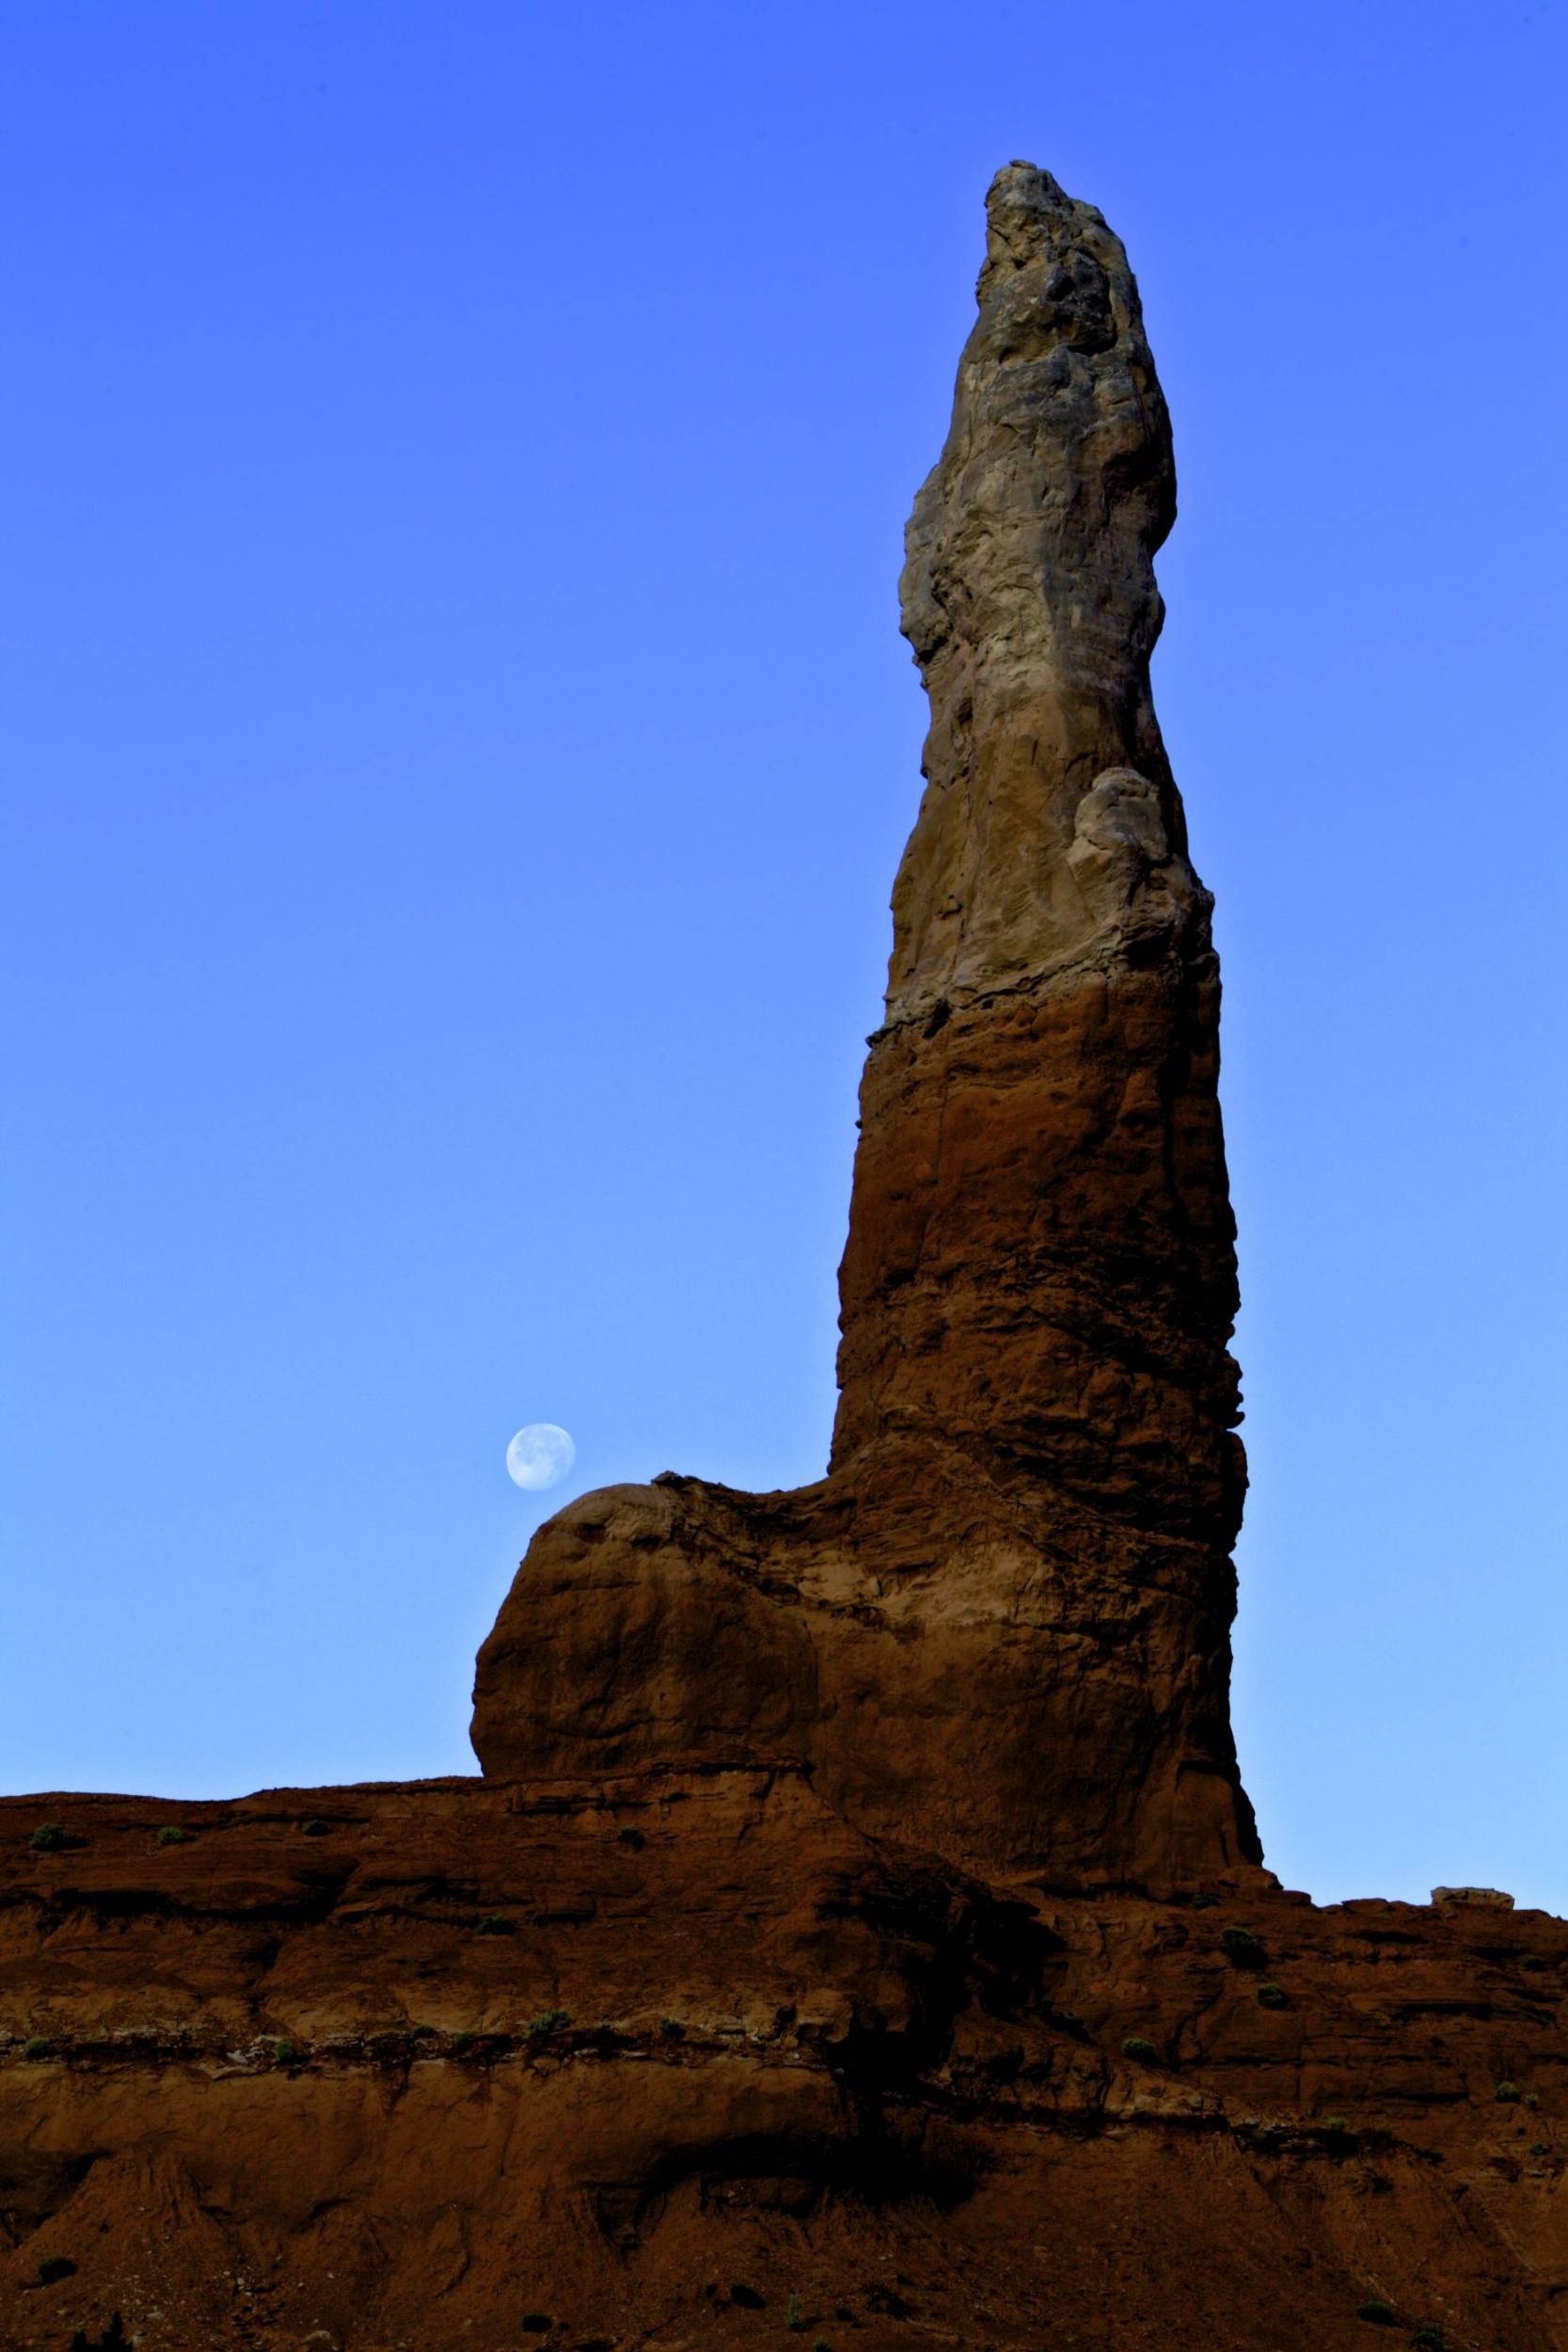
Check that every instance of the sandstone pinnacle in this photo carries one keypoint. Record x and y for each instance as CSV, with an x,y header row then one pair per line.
x,y
854,1924
1000,1625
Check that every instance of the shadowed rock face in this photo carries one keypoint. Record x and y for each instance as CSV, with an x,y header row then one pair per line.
x,y
1001,1626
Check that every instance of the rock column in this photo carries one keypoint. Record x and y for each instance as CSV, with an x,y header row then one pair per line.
x,y
1001,1626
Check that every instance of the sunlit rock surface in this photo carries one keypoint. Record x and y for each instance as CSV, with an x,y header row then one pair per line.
x,y
1001,1626
857,1935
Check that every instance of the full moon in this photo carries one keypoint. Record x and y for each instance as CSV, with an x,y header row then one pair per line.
x,y
540,1455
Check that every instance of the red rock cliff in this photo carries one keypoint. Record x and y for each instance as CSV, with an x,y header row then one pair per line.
x,y
687,2025
1001,1624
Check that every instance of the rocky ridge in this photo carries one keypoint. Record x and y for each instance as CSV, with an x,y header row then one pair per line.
x,y
859,1931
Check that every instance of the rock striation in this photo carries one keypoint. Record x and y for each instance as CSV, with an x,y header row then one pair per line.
x,y
858,1931
1001,1624
680,2058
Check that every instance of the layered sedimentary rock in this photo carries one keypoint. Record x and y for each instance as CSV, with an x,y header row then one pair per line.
x,y
1001,1624
854,1935
681,2059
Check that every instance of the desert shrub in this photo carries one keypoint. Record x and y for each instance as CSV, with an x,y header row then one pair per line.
x,y
1334,2124
671,2030
547,2021
746,2297
461,2039
50,1837
1136,2047
316,1828
1377,2311
55,2268
172,1834
1507,2094
792,2314
286,2052
1429,2339
1242,1948
1273,1996
36,2045
496,1923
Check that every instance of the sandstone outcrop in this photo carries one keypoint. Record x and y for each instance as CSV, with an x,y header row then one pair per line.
x,y
1001,1624
662,2059
858,1932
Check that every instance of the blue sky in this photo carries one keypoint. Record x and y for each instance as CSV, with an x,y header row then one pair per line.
x,y
460,744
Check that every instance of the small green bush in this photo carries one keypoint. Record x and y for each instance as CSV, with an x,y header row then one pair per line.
x,y
55,2268
547,2021
1242,1948
50,1837
1205,1899
792,2314
1531,2099
36,2045
317,1828
1377,2311
172,1834
1336,2125
461,2039
496,1923
1429,2340
1273,1996
286,2053
671,2030
1507,2094
1136,2047
1540,2148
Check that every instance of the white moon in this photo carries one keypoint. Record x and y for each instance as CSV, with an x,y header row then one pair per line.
x,y
540,1455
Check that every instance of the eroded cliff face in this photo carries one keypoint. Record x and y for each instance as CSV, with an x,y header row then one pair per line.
x,y
675,2058
856,1932
1001,1624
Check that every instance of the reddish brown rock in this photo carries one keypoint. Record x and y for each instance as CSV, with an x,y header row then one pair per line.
x,y
1001,1626
628,2055
857,1934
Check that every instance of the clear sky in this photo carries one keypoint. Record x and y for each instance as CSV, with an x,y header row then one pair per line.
x,y
459,746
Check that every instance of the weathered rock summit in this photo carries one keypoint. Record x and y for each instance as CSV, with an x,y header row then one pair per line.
x,y
1001,1624
857,1933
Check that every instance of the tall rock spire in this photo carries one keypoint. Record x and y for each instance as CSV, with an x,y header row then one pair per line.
x,y
1001,1626
1041,1259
